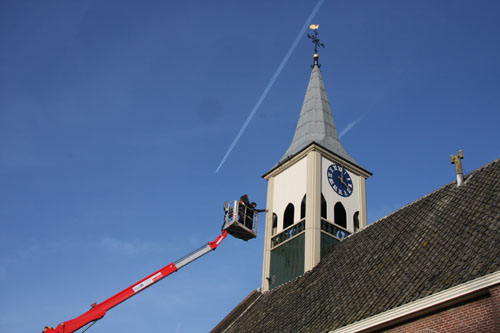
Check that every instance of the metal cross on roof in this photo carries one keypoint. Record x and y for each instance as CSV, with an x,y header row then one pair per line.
x,y
458,166
456,160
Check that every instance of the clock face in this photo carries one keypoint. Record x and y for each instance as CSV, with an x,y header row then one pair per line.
x,y
340,180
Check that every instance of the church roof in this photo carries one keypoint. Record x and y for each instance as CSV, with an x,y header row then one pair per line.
x,y
315,124
445,239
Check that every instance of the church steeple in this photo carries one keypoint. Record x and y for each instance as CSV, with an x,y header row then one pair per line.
x,y
316,192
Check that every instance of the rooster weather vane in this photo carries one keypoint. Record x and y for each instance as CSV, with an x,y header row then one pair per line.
x,y
317,44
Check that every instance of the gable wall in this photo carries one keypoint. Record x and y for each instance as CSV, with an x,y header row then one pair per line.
x,y
481,315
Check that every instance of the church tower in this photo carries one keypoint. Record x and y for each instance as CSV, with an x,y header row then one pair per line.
x,y
316,193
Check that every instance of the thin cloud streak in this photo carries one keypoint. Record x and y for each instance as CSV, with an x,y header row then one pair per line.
x,y
350,126
271,83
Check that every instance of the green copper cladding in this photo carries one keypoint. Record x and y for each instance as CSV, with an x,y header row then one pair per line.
x,y
327,244
287,261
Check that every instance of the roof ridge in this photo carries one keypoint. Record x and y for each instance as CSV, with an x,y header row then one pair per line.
x,y
244,311
473,172
466,178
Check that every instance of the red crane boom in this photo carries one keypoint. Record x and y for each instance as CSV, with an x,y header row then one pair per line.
x,y
240,221
98,311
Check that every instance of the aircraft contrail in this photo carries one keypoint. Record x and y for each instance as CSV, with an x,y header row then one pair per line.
x,y
271,82
351,125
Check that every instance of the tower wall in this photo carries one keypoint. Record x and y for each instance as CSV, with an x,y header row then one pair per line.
x,y
290,250
289,187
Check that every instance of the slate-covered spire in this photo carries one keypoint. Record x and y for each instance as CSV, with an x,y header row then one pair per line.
x,y
316,121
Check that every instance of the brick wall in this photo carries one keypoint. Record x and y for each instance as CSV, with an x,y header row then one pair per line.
x,y
482,315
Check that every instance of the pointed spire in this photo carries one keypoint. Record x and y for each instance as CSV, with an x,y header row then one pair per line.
x,y
316,123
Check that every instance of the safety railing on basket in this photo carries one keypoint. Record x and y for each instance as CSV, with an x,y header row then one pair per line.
x,y
242,214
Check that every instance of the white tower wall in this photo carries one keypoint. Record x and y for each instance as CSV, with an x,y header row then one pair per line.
x,y
289,187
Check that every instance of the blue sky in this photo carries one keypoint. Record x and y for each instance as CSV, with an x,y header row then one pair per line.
x,y
114,116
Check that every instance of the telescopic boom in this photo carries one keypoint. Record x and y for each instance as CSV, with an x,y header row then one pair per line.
x,y
97,311
240,221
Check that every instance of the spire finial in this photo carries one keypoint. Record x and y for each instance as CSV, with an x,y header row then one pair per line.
x,y
316,43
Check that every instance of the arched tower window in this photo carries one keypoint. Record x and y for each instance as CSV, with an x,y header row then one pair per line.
x,y
356,221
339,215
288,216
275,224
323,206
303,208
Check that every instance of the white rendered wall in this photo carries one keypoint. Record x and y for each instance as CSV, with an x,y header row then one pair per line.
x,y
350,203
289,187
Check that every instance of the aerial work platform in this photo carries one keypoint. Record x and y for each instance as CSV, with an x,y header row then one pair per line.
x,y
240,221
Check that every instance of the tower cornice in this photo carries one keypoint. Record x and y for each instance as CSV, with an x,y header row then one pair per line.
x,y
285,164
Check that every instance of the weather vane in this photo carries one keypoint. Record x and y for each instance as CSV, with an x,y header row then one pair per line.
x,y
316,42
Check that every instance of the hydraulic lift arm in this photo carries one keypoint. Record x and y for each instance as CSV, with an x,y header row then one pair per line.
x,y
98,311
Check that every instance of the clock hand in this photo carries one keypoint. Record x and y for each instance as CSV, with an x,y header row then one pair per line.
x,y
342,181
342,178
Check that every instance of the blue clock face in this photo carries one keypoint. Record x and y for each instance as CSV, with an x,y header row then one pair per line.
x,y
340,180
